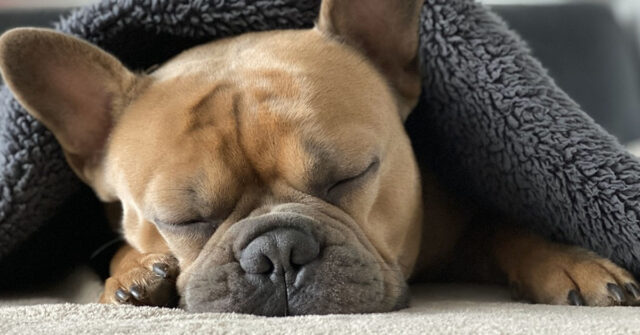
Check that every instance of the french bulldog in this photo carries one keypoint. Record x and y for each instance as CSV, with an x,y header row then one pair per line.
x,y
270,173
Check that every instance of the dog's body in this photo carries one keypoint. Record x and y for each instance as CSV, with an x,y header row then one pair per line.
x,y
270,173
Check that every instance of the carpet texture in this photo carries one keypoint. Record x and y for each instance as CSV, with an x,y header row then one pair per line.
x,y
435,309
497,126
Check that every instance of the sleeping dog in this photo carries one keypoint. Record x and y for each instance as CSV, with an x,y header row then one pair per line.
x,y
270,173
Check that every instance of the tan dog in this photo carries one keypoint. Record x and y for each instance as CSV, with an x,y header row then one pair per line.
x,y
270,173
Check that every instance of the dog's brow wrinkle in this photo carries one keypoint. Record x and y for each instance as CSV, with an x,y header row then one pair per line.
x,y
197,107
193,195
238,100
236,107
201,108
319,173
274,84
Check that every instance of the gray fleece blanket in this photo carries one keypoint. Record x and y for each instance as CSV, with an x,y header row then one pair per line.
x,y
490,122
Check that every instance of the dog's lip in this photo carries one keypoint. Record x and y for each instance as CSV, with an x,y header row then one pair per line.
x,y
292,297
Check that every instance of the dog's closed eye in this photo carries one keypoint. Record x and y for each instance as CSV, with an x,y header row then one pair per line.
x,y
337,188
198,226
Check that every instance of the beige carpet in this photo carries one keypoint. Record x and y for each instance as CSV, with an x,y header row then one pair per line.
x,y
435,309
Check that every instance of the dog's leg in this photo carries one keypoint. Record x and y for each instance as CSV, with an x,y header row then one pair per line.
x,y
141,279
539,270
546,272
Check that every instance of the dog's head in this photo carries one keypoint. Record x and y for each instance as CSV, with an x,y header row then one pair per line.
x,y
273,165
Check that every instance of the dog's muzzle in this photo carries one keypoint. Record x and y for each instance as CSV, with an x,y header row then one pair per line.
x,y
290,264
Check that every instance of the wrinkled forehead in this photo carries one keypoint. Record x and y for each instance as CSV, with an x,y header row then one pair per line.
x,y
296,74
273,103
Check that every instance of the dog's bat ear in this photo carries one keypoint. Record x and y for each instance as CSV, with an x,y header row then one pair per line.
x,y
74,88
386,31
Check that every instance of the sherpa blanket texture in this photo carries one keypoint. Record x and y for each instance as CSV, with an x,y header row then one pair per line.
x,y
491,122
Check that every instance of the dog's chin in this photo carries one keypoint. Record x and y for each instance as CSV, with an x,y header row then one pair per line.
x,y
345,276
343,281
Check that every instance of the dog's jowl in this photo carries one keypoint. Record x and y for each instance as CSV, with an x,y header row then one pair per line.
x,y
270,173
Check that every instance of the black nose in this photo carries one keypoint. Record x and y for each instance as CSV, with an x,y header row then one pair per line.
x,y
279,251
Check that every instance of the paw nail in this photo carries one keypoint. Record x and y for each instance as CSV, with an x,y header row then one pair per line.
x,y
122,295
136,292
616,292
575,298
161,270
633,290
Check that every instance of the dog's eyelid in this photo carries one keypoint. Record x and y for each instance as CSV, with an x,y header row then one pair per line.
x,y
372,167
188,222
180,222
203,227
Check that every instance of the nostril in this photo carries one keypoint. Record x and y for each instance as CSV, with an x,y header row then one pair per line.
x,y
261,265
279,250
304,253
254,259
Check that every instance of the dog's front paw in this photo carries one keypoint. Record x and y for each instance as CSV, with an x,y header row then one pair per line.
x,y
149,280
574,276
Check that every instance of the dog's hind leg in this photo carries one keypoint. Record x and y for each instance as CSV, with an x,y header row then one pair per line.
x,y
546,272
540,270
